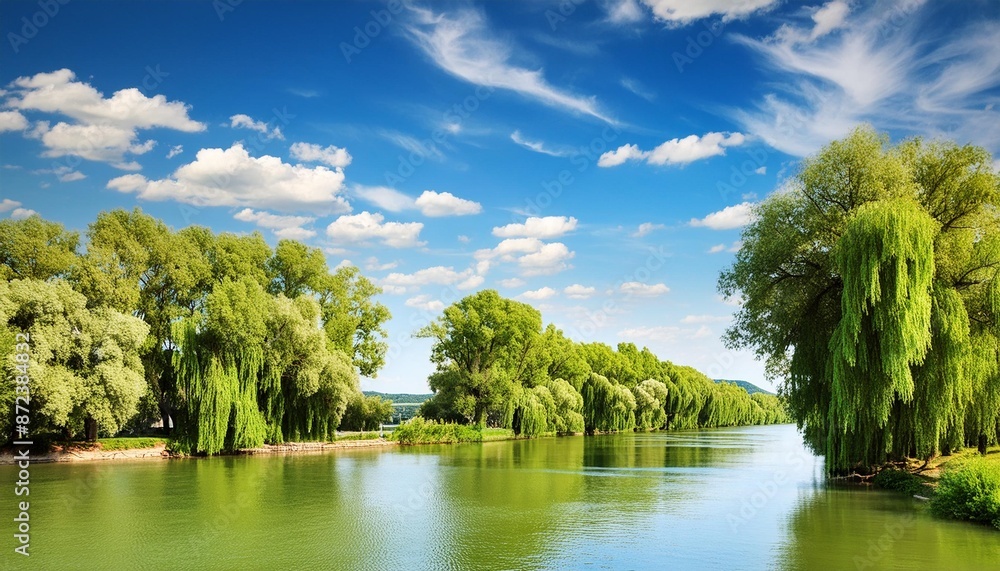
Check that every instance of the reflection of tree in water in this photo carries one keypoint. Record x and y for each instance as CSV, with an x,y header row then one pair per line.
x,y
851,528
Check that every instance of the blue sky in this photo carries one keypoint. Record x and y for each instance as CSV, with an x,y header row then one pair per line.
x,y
594,158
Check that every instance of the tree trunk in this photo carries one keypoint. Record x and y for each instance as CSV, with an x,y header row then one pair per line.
x,y
982,444
90,429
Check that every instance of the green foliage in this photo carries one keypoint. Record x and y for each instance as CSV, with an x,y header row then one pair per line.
x,y
33,248
84,364
871,286
366,413
971,492
420,431
483,345
650,399
113,444
901,481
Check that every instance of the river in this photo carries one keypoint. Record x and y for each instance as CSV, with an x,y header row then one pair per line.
x,y
740,498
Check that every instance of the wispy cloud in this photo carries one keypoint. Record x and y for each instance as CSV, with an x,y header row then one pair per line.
x,y
538,146
462,45
874,65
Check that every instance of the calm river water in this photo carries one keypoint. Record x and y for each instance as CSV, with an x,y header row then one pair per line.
x,y
742,498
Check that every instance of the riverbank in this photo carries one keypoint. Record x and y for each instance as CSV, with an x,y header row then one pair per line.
x,y
60,453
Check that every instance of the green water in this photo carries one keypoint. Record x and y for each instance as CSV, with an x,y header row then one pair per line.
x,y
746,498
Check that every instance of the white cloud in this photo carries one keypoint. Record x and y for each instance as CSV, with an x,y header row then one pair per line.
x,y
425,302
283,226
829,17
549,259
538,146
384,197
57,92
12,121
8,204
72,176
461,44
464,239
231,177
730,217
539,294
717,248
624,11
344,264
105,129
512,282
471,282
535,227
175,150
639,289
241,121
437,275
335,157
359,228
577,291
637,88
645,228
663,333
22,213
532,256
435,204
682,12
761,170
876,67
675,151
373,265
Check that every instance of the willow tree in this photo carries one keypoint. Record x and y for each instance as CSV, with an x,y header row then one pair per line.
x,y
483,345
868,285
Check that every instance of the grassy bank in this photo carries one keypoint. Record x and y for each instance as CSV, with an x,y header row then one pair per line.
x,y
131,443
964,486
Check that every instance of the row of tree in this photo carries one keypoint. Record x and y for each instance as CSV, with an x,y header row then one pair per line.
x,y
218,335
496,366
872,285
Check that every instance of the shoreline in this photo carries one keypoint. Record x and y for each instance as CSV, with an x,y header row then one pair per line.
x,y
159,452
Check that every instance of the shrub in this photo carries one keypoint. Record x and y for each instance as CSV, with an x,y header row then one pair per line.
x,y
970,492
114,444
420,431
900,481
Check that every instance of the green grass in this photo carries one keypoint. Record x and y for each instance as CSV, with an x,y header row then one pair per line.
x,y
116,444
420,431
970,491
370,435
491,434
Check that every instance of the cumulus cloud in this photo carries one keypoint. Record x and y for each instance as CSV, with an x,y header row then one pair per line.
x,y
7,205
22,213
682,12
535,227
663,333
425,302
12,121
461,44
290,227
175,150
438,275
539,294
639,289
373,265
646,228
577,291
532,256
103,129
364,227
231,177
730,217
512,282
436,204
675,151
335,157
241,121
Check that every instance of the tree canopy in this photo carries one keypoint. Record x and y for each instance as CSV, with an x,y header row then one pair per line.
x,y
870,285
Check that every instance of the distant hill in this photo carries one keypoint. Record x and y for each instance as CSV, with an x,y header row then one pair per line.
x,y
748,387
399,397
